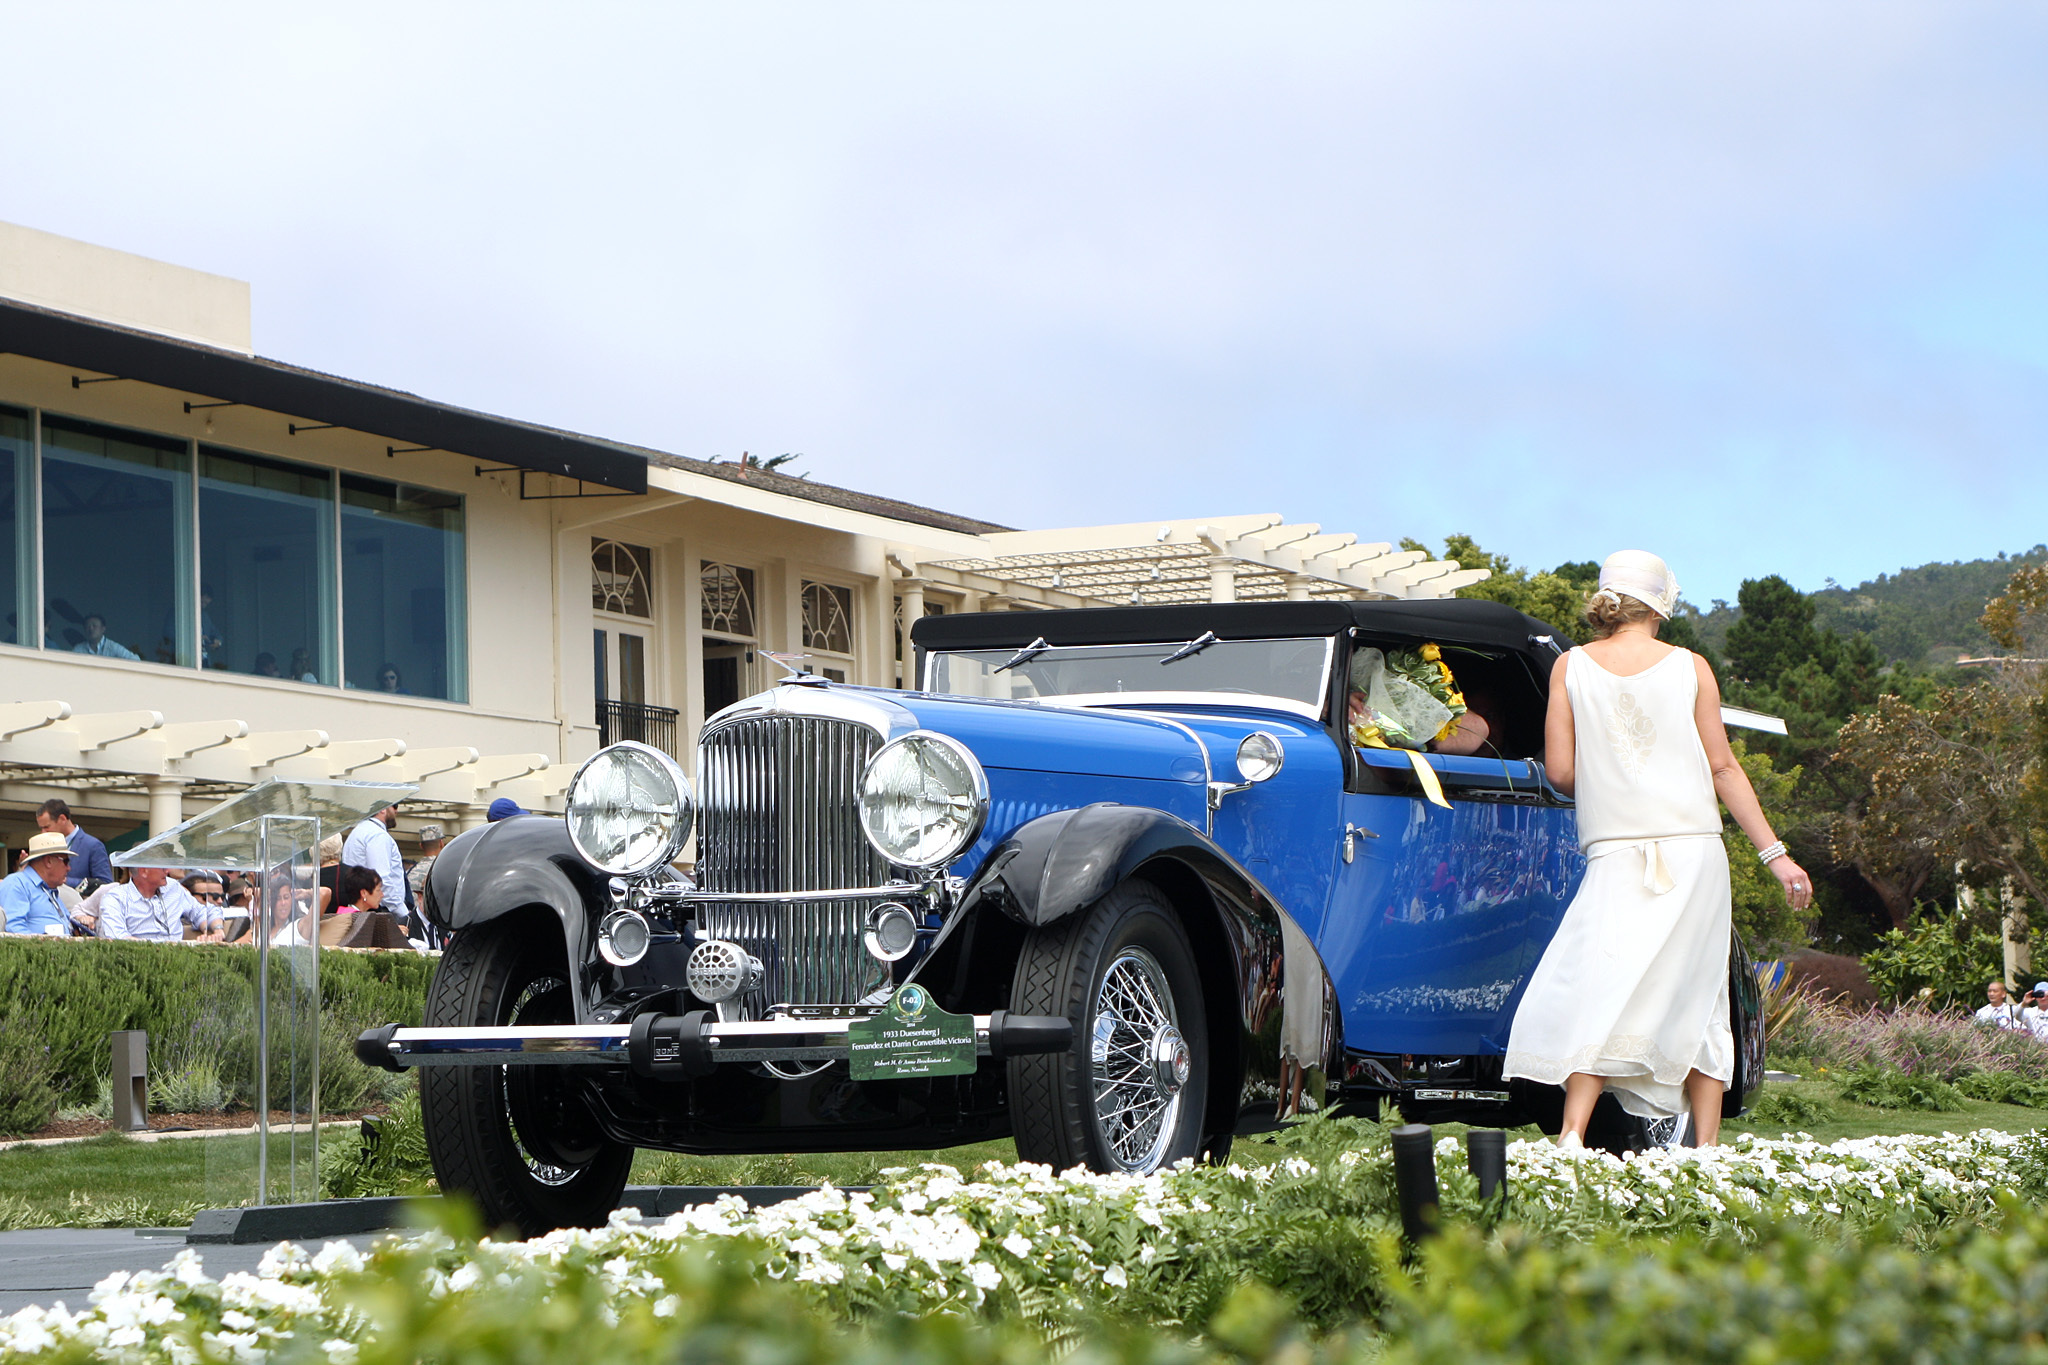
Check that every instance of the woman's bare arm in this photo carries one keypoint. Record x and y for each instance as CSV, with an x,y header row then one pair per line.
x,y
1558,736
1731,784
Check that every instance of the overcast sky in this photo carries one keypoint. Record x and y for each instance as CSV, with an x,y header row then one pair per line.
x,y
1763,287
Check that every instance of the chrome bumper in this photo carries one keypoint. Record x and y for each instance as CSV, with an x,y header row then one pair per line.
x,y
674,1046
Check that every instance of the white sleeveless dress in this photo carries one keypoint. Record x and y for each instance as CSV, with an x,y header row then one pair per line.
x,y
1634,987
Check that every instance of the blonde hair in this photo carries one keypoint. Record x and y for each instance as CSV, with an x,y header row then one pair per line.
x,y
330,849
1607,612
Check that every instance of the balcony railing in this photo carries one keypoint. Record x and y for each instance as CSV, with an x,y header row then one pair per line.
x,y
655,725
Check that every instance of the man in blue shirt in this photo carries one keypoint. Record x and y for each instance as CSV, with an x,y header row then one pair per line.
x,y
28,898
151,906
89,860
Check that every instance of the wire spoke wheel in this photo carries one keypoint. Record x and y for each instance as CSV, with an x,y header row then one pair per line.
x,y
1135,1101
532,1006
1132,1093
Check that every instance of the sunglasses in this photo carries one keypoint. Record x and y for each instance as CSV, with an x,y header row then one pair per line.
x,y
209,895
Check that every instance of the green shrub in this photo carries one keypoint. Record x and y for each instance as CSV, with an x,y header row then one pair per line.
x,y
1889,1088
388,1157
195,1002
1788,1296
1791,1110
1941,957
27,1097
2003,1087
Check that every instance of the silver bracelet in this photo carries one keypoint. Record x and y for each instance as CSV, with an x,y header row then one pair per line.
x,y
1771,854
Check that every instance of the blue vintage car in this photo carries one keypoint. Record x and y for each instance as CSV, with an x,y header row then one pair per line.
x,y
1115,882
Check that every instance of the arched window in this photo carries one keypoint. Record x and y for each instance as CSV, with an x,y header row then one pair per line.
x,y
619,578
728,592
828,617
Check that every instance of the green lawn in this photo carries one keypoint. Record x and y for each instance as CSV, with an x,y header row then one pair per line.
x,y
114,1181
1857,1120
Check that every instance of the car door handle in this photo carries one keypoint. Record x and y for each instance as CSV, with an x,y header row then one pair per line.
x,y
1352,834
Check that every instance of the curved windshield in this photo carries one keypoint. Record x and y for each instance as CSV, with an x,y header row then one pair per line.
x,y
1295,672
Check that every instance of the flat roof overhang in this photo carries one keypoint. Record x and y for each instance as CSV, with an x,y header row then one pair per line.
x,y
226,376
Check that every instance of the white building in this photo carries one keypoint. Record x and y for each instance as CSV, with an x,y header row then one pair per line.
x,y
216,567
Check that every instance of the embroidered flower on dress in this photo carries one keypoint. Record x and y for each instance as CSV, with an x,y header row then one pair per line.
x,y
1632,733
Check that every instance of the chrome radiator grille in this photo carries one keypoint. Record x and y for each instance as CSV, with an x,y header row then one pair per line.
x,y
778,814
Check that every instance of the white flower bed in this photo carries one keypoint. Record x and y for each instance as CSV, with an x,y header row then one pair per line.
x,y
1874,1175
935,1240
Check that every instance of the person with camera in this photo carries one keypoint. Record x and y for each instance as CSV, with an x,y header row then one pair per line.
x,y
2034,1010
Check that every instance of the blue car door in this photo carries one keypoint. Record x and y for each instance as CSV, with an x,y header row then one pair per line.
x,y
1436,916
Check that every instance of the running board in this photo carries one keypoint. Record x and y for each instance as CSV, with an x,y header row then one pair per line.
x,y
672,1046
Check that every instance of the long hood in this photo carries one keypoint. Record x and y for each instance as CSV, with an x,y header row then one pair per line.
x,y
1036,738
1160,745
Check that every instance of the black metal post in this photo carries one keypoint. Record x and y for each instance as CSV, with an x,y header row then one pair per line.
x,y
1486,1156
1415,1179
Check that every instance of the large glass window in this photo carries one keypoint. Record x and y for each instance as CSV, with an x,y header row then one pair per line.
x,y
117,543
266,567
402,589
17,466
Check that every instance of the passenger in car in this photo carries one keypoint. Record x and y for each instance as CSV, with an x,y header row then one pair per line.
x,y
1466,732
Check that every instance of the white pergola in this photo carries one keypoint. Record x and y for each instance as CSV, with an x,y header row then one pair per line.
x,y
43,743
1255,558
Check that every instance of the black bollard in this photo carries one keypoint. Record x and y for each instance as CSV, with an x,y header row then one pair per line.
x,y
1415,1179
1486,1156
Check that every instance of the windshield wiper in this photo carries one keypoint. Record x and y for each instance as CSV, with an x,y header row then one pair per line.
x,y
1195,646
1025,655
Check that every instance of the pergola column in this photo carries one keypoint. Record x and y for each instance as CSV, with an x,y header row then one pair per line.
x,y
1222,578
911,590
1297,586
166,803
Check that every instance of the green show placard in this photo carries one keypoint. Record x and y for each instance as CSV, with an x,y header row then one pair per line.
x,y
913,1037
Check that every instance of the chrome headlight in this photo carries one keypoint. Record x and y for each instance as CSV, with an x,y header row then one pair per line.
x,y
922,799
630,809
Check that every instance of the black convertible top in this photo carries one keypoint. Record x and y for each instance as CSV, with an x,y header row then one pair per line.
x,y
1484,625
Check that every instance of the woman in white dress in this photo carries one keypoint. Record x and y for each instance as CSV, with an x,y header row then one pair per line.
x,y
1632,994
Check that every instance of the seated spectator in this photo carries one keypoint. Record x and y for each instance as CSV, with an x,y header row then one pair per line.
x,y
330,871
90,867
238,908
388,680
151,906
85,918
359,889
28,898
266,666
302,666
206,888
432,840
96,641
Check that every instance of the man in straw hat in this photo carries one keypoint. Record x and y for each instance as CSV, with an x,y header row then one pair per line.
x,y
28,898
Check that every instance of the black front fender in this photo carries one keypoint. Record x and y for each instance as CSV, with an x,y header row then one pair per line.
x,y
1258,965
513,865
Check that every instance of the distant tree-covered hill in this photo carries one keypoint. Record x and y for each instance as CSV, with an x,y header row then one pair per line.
x,y
1924,615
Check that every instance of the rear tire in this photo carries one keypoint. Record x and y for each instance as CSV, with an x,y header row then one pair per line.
x,y
1132,1092
519,1141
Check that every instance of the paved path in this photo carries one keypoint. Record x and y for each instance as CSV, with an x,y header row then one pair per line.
x,y
49,1265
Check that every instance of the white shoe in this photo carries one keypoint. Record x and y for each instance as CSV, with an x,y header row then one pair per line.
x,y
1570,1143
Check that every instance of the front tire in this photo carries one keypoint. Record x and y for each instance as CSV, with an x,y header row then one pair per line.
x,y
1132,1092
518,1141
